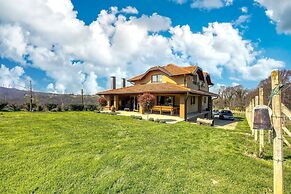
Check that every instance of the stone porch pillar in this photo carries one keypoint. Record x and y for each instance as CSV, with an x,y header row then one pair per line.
x,y
107,97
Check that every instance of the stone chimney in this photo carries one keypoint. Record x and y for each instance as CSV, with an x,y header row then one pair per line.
x,y
113,82
123,82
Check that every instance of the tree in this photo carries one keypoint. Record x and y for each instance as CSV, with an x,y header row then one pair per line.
x,y
102,102
146,101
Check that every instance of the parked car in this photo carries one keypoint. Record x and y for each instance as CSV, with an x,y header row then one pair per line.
x,y
226,114
215,113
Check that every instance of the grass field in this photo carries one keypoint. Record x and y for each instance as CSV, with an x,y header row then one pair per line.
x,y
85,152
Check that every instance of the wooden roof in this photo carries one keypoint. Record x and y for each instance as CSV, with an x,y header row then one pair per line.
x,y
164,88
171,70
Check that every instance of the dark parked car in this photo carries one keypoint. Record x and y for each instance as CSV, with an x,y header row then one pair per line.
x,y
215,113
226,114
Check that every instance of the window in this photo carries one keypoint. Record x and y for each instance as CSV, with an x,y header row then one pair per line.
x,y
156,78
194,79
205,99
165,100
192,100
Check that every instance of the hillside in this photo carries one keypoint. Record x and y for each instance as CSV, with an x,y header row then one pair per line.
x,y
15,96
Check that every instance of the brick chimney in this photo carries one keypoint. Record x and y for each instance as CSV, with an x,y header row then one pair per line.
x,y
113,82
123,82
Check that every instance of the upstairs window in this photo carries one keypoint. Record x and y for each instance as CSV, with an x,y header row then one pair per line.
x,y
156,78
195,77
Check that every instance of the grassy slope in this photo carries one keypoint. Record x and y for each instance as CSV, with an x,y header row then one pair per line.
x,y
94,153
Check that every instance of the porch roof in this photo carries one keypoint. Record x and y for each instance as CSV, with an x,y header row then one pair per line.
x,y
165,88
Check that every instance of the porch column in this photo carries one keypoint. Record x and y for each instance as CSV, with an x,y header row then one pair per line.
x,y
210,106
107,97
141,110
182,106
116,102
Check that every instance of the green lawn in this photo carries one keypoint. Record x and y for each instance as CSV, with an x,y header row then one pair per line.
x,y
85,152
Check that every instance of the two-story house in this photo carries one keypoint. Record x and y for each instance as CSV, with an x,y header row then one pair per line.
x,y
182,91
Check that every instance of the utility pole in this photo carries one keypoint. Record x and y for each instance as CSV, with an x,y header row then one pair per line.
x,y
30,91
278,134
82,96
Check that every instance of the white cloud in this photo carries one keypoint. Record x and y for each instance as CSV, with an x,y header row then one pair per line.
x,y
244,10
262,68
12,42
278,11
13,78
129,10
75,55
206,4
241,20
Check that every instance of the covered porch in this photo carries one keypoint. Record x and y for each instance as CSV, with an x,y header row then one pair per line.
x,y
186,106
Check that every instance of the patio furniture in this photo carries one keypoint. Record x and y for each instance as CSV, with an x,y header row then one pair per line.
x,y
162,109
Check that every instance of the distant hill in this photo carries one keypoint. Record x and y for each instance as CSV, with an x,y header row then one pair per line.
x,y
15,96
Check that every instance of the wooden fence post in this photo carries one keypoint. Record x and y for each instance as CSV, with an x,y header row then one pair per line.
x,y
256,103
251,120
262,141
278,134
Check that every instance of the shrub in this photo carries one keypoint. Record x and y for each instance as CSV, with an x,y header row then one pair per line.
x,y
102,102
151,119
51,106
146,101
76,107
27,106
11,108
90,107
2,105
39,108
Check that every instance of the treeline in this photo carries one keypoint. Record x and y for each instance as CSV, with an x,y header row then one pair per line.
x,y
237,97
6,107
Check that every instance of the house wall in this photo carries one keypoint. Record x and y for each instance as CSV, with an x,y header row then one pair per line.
x,y
194,107
190,84
175,80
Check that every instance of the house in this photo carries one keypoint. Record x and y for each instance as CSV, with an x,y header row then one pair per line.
x,y
181,91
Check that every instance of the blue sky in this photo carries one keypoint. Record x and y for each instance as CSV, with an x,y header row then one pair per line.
x,y
69,45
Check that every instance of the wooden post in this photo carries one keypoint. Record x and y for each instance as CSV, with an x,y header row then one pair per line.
x,y
278,135
252,107
256,103
262,141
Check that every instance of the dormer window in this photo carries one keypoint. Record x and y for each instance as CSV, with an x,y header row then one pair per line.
x,y
156,78
195,79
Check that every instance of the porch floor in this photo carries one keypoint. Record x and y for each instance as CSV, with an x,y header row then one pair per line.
x,y
168,118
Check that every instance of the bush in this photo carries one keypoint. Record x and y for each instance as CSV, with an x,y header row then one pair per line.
x,y
27,106
11,108
2,105
51,106
39,108
76,107
151,119
102,102
90,107
146,101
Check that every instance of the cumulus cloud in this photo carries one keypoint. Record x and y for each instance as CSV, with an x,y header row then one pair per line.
x,y
76,55
129,10
279,12
206,4
13,78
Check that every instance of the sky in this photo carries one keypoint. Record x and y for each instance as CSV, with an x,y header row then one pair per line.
x,y
64,46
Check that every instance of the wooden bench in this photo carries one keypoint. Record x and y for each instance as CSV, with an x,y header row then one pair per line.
x,y
162,109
